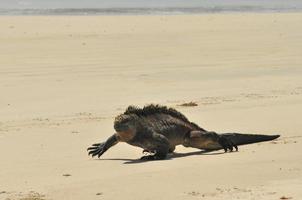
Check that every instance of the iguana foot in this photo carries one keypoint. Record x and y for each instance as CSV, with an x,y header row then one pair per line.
x,y
96,149
153,157
226,143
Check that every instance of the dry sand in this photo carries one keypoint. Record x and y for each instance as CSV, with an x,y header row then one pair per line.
x,y
63,79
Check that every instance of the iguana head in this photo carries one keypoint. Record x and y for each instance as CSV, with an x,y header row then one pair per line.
x,y
124,123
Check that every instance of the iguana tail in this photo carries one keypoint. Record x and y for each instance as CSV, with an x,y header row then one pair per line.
x,y
241,139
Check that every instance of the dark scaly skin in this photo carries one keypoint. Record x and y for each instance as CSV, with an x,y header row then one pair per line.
x,y
157,130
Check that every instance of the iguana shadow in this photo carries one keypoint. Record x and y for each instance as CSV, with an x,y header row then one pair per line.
x,y
169,157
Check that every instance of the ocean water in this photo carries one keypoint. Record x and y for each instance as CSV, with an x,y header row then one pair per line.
x,y
132,7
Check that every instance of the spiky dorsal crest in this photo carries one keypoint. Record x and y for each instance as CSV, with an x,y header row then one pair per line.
x,y
157,109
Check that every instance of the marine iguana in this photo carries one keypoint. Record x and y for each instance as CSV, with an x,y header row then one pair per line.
x,y
158,129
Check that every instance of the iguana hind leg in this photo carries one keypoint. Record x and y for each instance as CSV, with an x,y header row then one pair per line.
x,y
171,150
158,145
208,141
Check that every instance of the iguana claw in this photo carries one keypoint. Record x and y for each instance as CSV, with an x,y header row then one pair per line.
x,y
153,157
227,144
96,149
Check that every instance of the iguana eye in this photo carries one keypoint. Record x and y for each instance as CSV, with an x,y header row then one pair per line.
x,y
125,119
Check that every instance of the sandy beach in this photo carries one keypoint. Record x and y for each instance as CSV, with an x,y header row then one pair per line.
x,y
63,79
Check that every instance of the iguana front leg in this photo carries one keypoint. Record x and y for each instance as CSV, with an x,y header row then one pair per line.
x,y
100,148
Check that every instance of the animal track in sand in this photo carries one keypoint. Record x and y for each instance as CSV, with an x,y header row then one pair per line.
x,y
193,193
15,126
214,100
32,195
234,193
287,140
